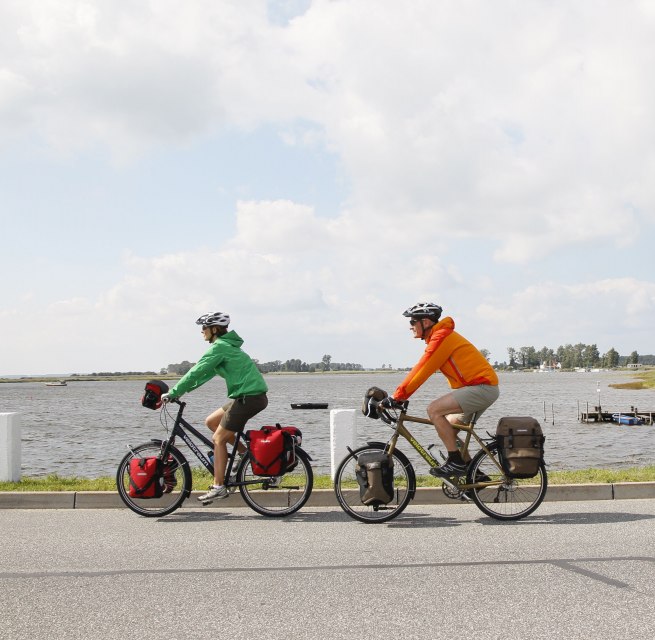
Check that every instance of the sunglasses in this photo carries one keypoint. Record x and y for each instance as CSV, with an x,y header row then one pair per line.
x,y
414,321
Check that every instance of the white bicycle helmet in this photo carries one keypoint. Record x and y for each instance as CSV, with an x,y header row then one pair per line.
x,y
217,319
424,310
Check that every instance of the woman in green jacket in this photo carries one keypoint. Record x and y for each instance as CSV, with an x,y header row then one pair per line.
x,y
246,389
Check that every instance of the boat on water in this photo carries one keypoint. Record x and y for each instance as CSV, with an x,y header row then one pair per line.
x,y
309,405
621,418
58,383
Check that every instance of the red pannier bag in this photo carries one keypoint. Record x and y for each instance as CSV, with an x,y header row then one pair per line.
x,y
273,449
146,478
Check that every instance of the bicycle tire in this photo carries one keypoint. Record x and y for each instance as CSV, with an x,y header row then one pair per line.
x,y
346,488
514,498
287,497
177,480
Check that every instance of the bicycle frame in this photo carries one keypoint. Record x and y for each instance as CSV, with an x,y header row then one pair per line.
x,y
401,430
180,428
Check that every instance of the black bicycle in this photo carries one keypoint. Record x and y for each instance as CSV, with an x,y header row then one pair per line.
x,y
269,496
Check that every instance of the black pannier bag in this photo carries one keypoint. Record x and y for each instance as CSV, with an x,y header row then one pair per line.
x,y
520,445
153,392
374,472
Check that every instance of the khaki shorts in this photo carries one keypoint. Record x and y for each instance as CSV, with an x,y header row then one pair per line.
x,y
474,399
239,411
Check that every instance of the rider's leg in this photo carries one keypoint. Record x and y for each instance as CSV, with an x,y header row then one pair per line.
x,y
221,439
438,410
214,420
235,416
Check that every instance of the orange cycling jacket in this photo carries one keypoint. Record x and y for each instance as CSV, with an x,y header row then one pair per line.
x,y
453,355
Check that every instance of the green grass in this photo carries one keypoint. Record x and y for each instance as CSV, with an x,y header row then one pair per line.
x,y
648,379
202,479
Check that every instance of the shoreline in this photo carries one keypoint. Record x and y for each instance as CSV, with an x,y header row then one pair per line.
x,y
647,375
145,376
319,497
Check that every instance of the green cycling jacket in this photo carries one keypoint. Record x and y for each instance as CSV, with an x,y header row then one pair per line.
x,y
226,359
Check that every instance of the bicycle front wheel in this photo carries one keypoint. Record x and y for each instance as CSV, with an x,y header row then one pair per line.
x,y
347,491
280,496
176,480
507,498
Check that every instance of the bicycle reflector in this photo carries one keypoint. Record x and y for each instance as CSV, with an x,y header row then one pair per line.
x,y
370,403
153,392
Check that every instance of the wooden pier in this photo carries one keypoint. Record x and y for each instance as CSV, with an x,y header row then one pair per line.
x,y
598,415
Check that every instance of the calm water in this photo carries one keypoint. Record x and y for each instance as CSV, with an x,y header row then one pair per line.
x,y
84,429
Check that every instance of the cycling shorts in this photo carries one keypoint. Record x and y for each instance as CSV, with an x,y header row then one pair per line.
x,y
239,411
475,399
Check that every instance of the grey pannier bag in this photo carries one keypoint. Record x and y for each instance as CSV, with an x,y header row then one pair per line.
x,y
521,446
374,472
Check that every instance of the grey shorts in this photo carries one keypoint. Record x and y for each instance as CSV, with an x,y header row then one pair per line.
x,y
475,399
239,411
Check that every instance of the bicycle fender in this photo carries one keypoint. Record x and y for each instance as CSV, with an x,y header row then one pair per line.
x,y
303,452
411,475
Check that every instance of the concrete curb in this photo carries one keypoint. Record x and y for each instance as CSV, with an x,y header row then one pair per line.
x,y
319,497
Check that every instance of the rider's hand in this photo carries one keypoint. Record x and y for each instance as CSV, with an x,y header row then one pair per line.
x,y
389,403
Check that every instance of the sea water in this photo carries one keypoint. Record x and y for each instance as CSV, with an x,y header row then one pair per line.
x,y
84,429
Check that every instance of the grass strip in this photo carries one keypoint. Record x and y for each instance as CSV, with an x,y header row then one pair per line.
x,y
202,479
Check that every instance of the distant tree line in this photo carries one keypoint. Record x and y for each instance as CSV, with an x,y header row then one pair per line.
x,y
298,366
293,365
107,374
178,369
570,357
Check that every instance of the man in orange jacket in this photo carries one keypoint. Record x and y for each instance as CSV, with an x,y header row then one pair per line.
x,y
473,382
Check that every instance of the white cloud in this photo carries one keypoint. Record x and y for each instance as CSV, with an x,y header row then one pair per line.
x,y
609,312
485,146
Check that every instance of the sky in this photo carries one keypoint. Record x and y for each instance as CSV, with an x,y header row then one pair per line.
x,y
315,167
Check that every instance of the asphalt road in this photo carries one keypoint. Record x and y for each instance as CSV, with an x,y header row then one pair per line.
x,y
572,570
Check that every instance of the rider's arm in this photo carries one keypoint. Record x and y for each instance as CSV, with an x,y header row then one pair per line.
x,y
434,357
203,371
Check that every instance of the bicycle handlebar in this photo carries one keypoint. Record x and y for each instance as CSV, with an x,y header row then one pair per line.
x,y
385,412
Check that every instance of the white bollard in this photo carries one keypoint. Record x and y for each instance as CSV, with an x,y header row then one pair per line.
x,y
10,447
343,434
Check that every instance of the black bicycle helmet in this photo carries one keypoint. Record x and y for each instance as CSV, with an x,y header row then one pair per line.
x,y
217,319
424,310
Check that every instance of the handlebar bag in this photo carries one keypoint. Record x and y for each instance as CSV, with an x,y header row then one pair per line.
x,y
273,449
152,394
520,445
374,472
146,477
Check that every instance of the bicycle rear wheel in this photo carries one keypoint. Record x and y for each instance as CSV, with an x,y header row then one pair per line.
x,y
346,488
280,496
511,498
176,481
